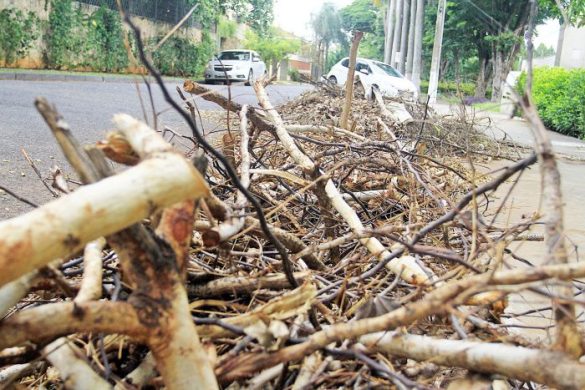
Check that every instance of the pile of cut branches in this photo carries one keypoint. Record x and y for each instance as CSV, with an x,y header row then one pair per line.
x,y
296,254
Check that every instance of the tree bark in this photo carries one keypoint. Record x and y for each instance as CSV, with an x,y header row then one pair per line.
x,y
418,38
404,35
560,43
482,76
437,47
390,21
411,35
547,367
345,113
397,27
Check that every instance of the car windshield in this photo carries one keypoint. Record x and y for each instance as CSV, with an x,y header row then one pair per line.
x,y
235,55
390,71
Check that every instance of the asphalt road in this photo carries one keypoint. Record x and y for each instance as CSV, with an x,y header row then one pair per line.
x,y
88,108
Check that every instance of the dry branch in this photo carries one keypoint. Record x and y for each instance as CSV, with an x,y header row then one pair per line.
x,y
410,271
554,369
60,227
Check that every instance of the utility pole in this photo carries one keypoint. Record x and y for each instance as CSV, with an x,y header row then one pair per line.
x,y
438,45
390,20
418,38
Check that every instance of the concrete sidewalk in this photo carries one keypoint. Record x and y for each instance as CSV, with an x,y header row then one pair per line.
x,y
517,130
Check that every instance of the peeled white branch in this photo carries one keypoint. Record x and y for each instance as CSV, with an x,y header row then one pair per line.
x,y
65,225
91,284
398,112
410,271
551,368
74,370
14,291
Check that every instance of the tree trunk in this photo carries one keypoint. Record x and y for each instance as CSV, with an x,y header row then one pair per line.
x,y
560,44
390,20
483,74
503,62
404,35
397,26
418,38
411,34
345,113
437,47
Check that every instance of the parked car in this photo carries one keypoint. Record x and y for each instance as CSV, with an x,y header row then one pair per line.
x,y
375,74
237,65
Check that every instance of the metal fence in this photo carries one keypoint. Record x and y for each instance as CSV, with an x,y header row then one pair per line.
x,y
169,11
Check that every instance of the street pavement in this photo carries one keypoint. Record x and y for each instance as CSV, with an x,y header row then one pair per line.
x,y
88,107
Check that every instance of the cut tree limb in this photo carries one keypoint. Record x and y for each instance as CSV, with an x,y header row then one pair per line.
x,y
554,369
410,271
568,337
73,369
346,111
60,227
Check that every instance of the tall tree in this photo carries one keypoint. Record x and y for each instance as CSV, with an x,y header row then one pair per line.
x,y
418,42
389,30
404,35
437,47
397,27
569,13
326,25
411,35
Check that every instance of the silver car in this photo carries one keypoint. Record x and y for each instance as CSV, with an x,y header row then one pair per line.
x,y
235,65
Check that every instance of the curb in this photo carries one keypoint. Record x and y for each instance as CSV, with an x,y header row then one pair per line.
x,y
34,76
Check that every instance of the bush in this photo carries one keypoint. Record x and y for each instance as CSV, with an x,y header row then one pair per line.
x,y
17,33
451,88
294,75
65,36
181,57
105,41
559,95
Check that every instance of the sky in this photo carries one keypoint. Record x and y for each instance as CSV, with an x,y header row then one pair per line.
x,y
294,16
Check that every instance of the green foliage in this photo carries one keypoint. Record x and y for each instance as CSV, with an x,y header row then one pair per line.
x,y
451,88
543,51
17,33
272,48
261,16
294,75
64,38
207,12
361,15
181,57
327,24
559,95
226,28
105,41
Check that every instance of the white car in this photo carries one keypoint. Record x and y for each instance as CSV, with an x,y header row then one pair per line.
x,y
375,74
237,65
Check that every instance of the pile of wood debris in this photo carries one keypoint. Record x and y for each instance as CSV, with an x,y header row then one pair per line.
x,y
370,265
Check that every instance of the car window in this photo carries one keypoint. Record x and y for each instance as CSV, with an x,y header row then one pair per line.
x,y
235,55
390,71
345,63
256,57
360,65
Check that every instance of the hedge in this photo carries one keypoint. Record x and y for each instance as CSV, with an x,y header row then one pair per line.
x,y
559,95
450,88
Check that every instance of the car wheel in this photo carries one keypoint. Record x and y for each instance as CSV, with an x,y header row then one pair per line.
x,y
333,79
250,77
374,88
